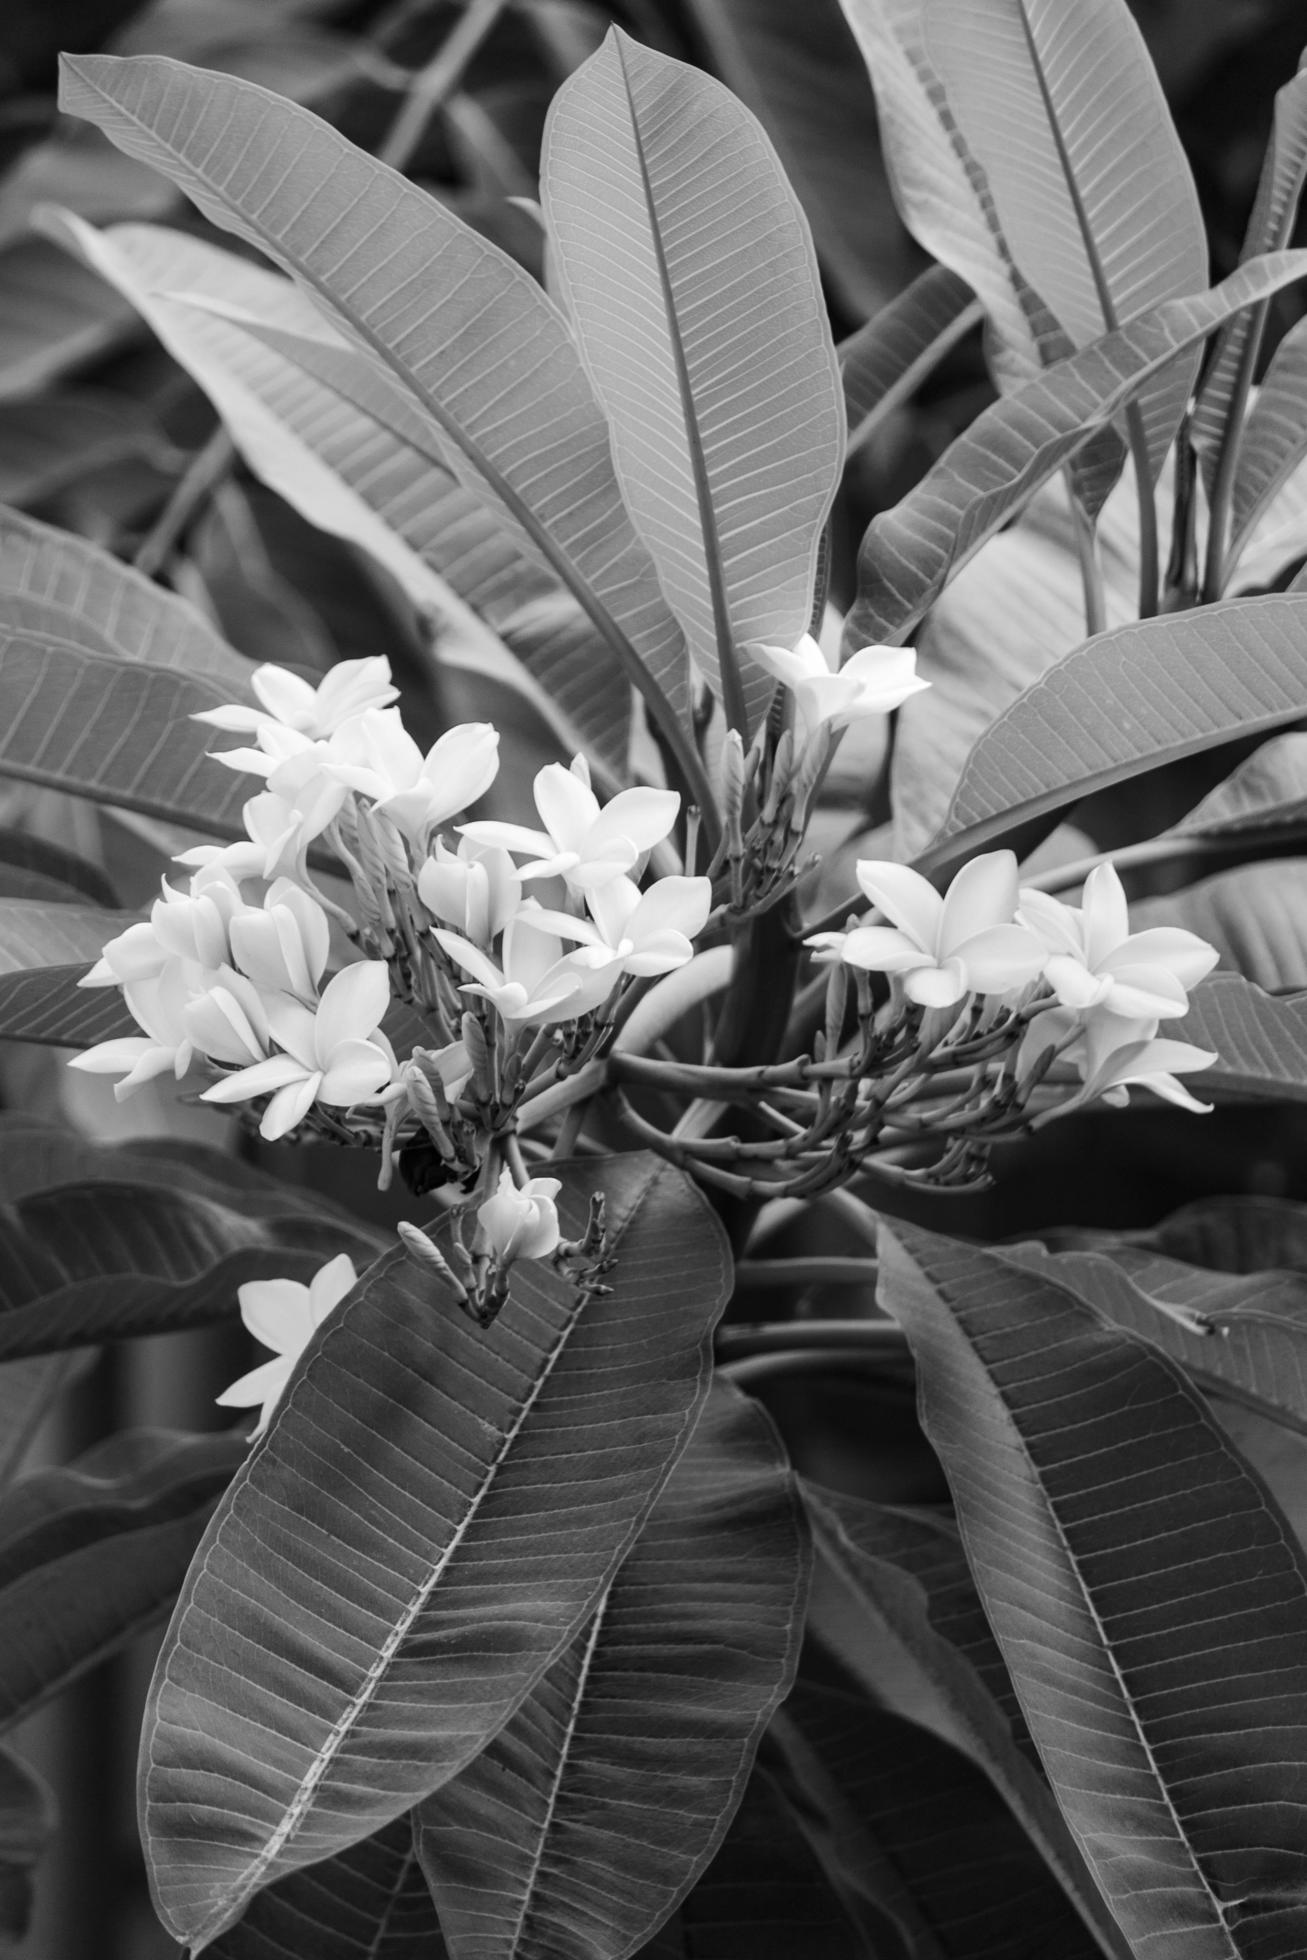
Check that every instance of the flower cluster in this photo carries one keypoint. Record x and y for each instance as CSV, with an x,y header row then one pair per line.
x,y
255,976
1077,986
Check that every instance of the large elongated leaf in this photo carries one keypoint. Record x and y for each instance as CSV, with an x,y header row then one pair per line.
x,y
1059,101
941,189
55,316
1149,1598
908,1829
352,475
1267,790
1260,1042
1255,1344
44,952
999,462
887,360
31,867
28,1391
1255,917
698,308
1274,438
100,1242
91,1555
429,1521
468,335
565,1835
1270,225
812,96
893,1599
371,1902
1127,701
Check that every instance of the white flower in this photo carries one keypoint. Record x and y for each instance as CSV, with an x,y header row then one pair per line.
x,y
158,1005
872,681
537,983
376,757
334,1055
1112,1054
282,945
518,1222
945,947
279,832
643,933
1095,960
190,925
476,889
587,845
348,689
226,1019
282,1315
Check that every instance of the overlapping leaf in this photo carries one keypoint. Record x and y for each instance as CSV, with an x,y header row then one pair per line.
x,y
999,462
1149,1598
467,334
1128,701
609,1791
428,1523
381,485
45,950
887,360
368,1903
104,1242
1060,103
1255,917
894,1601
1267,790
56,316
689,273
93,1553
1259,1040
31,867
1274,438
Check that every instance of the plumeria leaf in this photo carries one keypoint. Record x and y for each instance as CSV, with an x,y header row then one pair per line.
x,y
354,476
909,1830
1060,104
514,413
1144,1588
1125,702
812,96
58,317
454,1473
941,189
715,365
1260,1042
29,1390
93,1554
107,1241
997,464
886,361
894,1602
1267,790
31,867
1274,439
1255,917
1243,1334
371,1902
545,1844
764,1897
45,950
1270,226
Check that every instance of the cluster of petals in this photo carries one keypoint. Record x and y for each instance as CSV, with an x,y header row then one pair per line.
x,y
1112,1054
946,947
1094,960
518,1221
873,681
283,1314
586,844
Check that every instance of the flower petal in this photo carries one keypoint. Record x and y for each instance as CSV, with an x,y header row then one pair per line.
x,y
908,900
1106,914
288,1108
936,986
1184,954
276,1312
641,816
881,949
352,1005
983,894
1001,958
358,1071
259,1080
568,807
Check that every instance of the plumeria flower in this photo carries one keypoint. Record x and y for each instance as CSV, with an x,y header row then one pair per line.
x,y
538,983
335,1055
1095,960
278,833
1112,1055
191,925
475,889
282,1315
643,933
872,681
282,945
584,843
519,1221
348,689
945,947
158,1005
375,756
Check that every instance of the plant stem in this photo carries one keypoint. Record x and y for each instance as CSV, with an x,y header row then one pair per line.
x,y
433,84
1091,575
203,474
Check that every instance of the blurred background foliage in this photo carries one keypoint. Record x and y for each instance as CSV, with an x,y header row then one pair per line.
x,y
102,433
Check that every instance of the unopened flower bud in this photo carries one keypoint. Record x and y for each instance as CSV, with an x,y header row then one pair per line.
x,y
518,1223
